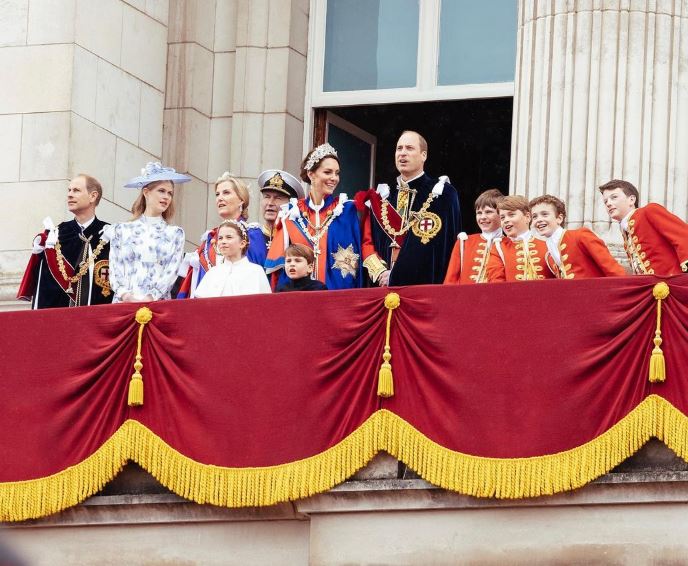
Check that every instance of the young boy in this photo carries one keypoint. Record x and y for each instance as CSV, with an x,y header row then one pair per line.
x,y
468,262
570,253
519,256
298,265
655,240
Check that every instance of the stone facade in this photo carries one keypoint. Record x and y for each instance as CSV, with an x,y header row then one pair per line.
x,y
104,86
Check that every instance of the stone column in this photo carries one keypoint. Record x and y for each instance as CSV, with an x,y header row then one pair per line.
x,y
601,92
269,87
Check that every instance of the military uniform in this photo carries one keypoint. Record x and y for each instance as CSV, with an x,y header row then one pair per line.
x,y
580,254
521,259
655,241
470,256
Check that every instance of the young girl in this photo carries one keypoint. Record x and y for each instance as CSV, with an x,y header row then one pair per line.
x,y
234,274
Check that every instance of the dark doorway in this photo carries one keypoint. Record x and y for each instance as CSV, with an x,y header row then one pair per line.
x,y
468,140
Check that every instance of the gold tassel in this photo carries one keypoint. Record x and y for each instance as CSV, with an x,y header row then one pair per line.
x,y
385,381
657,362
135,399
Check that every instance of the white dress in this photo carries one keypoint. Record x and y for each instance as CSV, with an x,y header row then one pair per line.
x,y
228,279
144,257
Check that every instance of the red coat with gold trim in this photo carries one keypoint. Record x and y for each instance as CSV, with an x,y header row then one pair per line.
x,y
656,242
518,261
583,255
471,265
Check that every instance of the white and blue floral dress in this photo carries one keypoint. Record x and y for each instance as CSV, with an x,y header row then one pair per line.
x,y
144,257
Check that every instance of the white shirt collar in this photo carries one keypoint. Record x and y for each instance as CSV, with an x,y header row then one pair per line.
x,y
400,178
624,221
489,236
525,236
85,224
553,244
316,207
556,235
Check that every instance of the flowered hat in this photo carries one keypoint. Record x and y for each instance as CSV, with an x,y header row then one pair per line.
x,y
156,172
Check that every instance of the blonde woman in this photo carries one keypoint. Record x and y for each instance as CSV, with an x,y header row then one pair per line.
x,y
145,252
231,201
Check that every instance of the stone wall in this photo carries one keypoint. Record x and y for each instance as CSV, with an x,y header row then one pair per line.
x,y
103,86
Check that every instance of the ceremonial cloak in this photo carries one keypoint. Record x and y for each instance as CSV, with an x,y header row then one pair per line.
x,y
425,247
60,254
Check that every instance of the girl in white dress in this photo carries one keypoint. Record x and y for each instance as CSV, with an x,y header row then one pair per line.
x,y
145,252
234,274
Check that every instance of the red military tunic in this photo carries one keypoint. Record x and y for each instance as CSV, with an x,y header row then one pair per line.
x,y
656,241
583,255
469,259
516,260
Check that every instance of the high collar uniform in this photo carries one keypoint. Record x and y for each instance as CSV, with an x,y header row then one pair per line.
x,y
580,254
468,262
520,259
655,241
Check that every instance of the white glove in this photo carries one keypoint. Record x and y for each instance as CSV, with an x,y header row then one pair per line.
x,y
52,232
37,247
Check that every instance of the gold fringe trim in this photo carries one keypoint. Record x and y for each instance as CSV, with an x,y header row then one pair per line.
x,y
243,487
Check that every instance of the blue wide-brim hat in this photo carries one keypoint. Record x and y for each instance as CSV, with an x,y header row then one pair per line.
x,y
156,172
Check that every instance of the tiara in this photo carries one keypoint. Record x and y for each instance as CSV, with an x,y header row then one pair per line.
x,y
236,224
318,154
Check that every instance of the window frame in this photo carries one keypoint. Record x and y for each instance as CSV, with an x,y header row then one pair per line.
x,y
427,67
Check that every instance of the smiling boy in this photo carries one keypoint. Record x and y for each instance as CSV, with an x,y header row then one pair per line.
x,y
468,262
570,253
655,240
519,256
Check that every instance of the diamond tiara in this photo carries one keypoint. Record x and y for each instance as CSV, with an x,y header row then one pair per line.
x,y
318,154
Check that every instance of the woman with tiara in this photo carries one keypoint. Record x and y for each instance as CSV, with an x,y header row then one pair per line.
x,y
326,223
231,202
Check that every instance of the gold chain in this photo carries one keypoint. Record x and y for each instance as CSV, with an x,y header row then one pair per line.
x,y
417,215
83,267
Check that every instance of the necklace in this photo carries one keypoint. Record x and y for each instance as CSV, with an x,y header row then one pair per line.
x,y
83,266
318,231
314,239
406,225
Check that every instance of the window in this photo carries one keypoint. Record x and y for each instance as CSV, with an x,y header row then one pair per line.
x,y
370,44
477,42
382,51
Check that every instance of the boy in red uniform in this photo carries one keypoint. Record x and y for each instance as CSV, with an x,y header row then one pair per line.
x,y
519,256
468,262
655,240
570,253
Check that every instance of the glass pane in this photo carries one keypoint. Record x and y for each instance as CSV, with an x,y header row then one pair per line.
x,y
354,157
370,44
477,41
